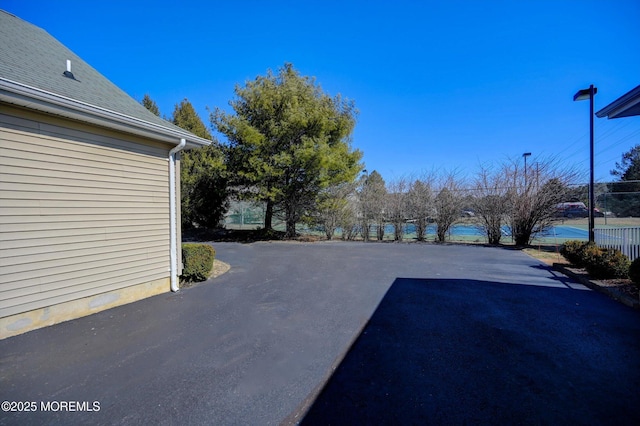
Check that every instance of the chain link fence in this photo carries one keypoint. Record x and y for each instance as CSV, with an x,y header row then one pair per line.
x,y
617,206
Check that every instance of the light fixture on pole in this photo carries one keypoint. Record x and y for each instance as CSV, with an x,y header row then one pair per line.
x,y
583,95
525,155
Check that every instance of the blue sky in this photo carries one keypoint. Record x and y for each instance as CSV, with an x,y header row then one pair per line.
x,y
440,85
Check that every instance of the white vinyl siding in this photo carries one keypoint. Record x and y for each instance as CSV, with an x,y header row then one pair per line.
x,y
82,212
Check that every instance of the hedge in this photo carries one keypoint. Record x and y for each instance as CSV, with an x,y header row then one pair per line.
x,y
197,262
608,263
600,263
571,250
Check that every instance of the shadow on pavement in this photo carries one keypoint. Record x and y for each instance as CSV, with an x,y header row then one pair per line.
x,y
230,235
477,352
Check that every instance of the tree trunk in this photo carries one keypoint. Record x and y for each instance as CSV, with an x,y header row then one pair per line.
x,y
268,216
522,239
442,233
494,239
521,235
380,231
365,230
494,230
290,220
421,228
398,231
291,229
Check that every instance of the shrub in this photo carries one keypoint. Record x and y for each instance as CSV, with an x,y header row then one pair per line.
x,y
588,254
571,251
600,263
607,263
634,271
197,262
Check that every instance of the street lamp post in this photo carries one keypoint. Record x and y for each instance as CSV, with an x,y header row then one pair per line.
x,y
582,95
365,221
525,155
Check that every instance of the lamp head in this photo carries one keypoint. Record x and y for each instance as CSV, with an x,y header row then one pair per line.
x,y
585,94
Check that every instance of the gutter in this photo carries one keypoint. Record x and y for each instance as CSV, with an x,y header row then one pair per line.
x,y
625,102
173,229
33,98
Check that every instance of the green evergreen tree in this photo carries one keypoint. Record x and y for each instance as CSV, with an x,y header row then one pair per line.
x,y
372,195
287,141
629,167
624,199
150,104
203,178
186,117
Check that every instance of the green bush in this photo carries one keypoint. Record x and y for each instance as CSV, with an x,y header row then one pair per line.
x,y
607,263
600,263
588,254
197,262
571,251
634,271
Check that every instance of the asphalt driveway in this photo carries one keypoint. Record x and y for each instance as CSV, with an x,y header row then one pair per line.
x,y
406,333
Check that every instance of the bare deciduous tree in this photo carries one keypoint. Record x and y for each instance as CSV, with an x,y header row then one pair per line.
x,y
372,197
420,205
396,206
332,206
364,202
349,222
534,196
491,202
448,204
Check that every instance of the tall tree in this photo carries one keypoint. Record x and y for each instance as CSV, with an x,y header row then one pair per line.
x,y
491,201
186,117
372,195
150,104
203,178
420,205
629,167
624,199
349,220
533,211
533,199
397,206
287,141
448,204
333,209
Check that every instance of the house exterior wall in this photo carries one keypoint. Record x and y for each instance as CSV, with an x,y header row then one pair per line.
x,y
84,215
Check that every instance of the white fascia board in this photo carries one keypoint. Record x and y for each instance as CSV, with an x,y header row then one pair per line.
x,y
621,105
19,94
623,108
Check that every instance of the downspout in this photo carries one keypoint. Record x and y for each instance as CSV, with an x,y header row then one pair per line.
x,y
173,229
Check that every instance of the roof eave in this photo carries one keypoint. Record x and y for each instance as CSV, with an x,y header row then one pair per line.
x,y
621,105
37,99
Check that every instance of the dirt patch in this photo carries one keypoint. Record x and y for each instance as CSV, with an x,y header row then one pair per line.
x,y
219,268
546,254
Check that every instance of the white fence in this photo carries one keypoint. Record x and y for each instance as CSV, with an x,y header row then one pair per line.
x,y
627,240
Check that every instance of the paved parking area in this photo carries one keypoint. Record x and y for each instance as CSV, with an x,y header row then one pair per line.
x,y
443,333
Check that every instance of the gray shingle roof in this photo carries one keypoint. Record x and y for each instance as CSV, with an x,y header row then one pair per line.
x,y
30,56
